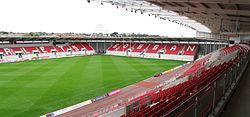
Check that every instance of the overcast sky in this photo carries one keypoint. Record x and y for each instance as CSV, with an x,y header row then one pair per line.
x,y
81,17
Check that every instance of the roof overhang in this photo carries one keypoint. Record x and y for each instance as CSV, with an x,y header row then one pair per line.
x,y
92,39
230,17
157,11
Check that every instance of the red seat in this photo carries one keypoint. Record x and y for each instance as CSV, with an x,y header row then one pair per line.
x,y
190,49
17,49
87,46
77,47
29,50
114,47
139,47
6,51
173,48
154,48
63,48
45,49
2,51
125,47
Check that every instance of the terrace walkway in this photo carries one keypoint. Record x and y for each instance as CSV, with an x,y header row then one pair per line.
x,y
239,104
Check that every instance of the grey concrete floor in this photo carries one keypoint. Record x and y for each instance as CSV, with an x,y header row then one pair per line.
x,y
239,104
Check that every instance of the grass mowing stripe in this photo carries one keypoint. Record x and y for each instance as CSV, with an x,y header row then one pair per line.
x,y
128,72
21,94
142,67
38,87
61,98
117,78
23,79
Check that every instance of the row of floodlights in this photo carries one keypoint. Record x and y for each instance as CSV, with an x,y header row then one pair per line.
x,y
163,18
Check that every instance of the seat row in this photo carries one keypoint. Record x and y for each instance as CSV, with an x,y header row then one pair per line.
x,y
165,101
45,49
175,49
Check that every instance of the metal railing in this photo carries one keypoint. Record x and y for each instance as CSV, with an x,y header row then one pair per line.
x,y
211,36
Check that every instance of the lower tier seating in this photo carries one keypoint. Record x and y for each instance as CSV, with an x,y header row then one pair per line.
x,y
139,47
45,49
165,101
154,48
172,49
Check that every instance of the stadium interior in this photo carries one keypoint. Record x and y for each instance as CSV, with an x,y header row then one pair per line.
x,y
206,85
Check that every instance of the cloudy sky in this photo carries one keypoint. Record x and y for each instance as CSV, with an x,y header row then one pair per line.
x,y
80,16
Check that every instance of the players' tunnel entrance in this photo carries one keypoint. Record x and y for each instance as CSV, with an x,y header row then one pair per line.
x,y
20,55
1,56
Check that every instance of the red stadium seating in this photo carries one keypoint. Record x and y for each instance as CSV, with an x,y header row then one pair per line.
x,y
124,47
6,51
87,46
168,99
2,51
59,48
115,46
164,101
198,65
139,47
62,48
154,48
29,50
190,49
77,47
17,49
181,49
196,77
46,49
173,48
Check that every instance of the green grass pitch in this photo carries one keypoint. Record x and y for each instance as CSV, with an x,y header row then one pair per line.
x,y
33,88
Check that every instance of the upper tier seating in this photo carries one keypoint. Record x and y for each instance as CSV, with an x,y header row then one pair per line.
x,y
154,48
139,47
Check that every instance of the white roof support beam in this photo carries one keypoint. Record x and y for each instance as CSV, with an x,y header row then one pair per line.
x,y
176,17
145,7
207,10
207,1
163,12
212,16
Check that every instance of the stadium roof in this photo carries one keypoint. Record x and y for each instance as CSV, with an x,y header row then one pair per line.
x,y
220,16
90,39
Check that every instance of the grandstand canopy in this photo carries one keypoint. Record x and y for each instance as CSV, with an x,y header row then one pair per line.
x,y
218,16
187,39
